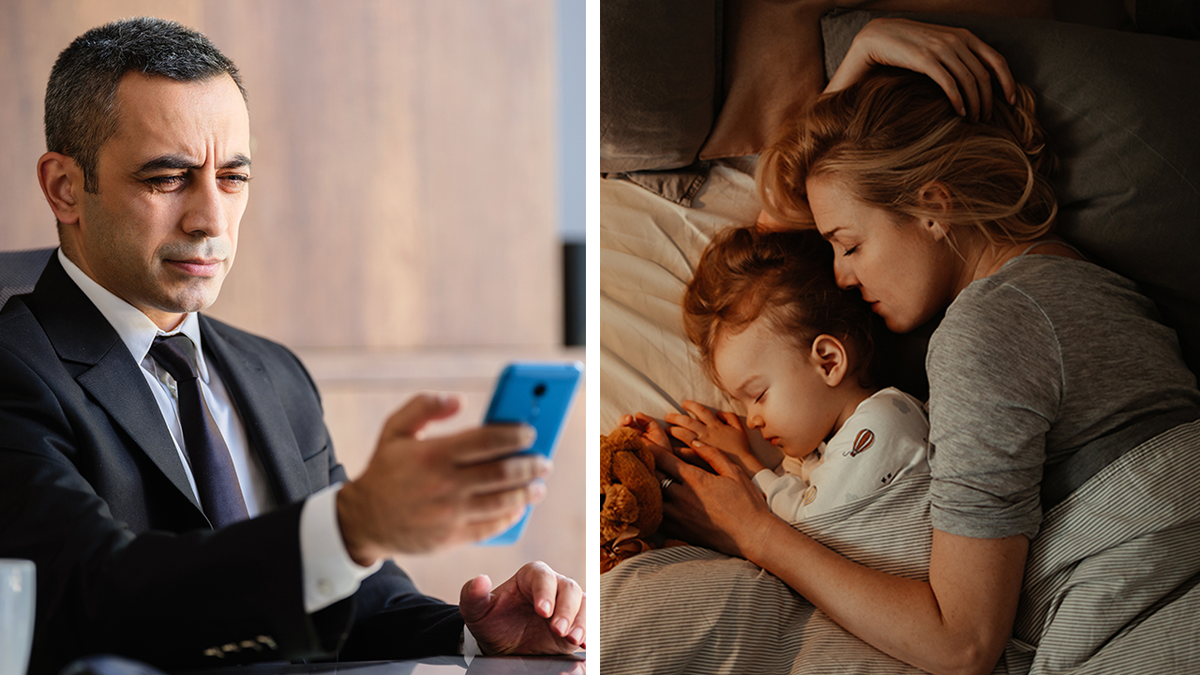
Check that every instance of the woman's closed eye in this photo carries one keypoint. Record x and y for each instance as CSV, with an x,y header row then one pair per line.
x,y
850,250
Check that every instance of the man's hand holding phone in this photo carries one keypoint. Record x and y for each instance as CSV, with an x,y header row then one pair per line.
x,y
420,495
423,494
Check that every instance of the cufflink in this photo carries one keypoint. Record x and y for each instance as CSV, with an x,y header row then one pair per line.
x,y
256,645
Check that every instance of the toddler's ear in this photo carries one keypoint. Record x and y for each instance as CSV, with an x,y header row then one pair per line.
x,y
830,357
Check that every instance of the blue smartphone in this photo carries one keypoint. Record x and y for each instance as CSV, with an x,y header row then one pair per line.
x,y
537,393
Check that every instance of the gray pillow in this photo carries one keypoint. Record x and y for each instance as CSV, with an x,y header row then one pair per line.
x,y
1121,111
660,73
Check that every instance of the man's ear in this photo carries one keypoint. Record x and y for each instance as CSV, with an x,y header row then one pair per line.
x,y
935,198
61,179
830,357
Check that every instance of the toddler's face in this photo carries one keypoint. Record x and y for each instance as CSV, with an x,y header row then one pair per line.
x,y
781,387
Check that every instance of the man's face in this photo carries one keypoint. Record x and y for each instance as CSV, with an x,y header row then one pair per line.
x,y
173,182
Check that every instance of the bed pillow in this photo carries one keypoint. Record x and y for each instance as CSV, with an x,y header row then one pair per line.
x,y
660,66
1120,110
773,61
682,80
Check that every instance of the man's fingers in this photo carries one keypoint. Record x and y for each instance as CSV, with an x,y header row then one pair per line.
x,y
568,620
475,598
578,633
487,443
556,598
499,475
486,528
504,504
419,411
539,583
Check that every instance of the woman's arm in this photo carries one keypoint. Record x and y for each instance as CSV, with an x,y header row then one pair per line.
x,y
962,64
957,622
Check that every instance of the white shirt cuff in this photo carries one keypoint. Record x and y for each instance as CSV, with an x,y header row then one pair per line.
x,y
470,646
330,574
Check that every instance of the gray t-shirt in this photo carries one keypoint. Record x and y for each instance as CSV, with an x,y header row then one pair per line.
x,y
1046,356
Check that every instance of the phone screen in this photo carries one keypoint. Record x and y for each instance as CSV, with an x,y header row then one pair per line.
x,y
537,393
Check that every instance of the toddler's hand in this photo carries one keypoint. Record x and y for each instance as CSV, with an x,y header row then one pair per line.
x,y
648,427
722,430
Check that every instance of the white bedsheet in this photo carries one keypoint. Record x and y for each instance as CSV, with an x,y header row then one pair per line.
x,y
648,249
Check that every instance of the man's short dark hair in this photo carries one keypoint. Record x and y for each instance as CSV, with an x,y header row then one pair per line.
x,y
81,97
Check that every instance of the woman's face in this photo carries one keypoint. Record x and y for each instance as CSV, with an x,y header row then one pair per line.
x,y
906,271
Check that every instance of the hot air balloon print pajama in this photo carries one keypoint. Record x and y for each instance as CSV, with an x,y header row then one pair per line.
x,y
886,439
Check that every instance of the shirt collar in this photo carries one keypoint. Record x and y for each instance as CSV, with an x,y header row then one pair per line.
x,y
134,328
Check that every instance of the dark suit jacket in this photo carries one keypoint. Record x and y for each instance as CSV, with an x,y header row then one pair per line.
x,y
92,490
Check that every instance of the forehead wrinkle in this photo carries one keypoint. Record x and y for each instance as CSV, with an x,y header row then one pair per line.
x,y
175,115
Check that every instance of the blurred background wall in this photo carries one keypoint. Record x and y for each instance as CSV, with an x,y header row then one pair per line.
x,y
404,230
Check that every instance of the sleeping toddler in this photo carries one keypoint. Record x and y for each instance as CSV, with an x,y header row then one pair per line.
x,y
777,335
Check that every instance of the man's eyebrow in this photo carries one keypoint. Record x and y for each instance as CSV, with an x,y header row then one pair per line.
x,y
176,162
238,161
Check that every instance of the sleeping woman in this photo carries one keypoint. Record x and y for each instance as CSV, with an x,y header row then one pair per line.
x,y
1043,365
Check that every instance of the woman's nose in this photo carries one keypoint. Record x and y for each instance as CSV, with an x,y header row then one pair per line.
x,y
843,273
755,421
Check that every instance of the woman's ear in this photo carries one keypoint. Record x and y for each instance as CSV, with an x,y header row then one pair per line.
x,y
935,199
62,182
830,357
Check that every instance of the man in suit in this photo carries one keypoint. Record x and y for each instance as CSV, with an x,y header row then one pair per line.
x,y
256,547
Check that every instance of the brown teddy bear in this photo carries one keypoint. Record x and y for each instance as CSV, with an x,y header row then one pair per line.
x,y
630,497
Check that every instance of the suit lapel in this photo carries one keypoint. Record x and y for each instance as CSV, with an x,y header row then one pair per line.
x,y
105,369
261,411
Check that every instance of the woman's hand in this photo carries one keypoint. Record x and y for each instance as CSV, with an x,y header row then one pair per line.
x,y
723,431
720,509
961,64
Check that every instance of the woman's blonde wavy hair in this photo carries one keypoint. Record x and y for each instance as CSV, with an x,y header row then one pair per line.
x,y
893,133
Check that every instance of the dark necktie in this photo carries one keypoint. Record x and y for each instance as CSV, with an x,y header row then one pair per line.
x,y
212,468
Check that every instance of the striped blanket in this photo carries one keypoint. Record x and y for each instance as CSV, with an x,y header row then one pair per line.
x,y
1109,585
